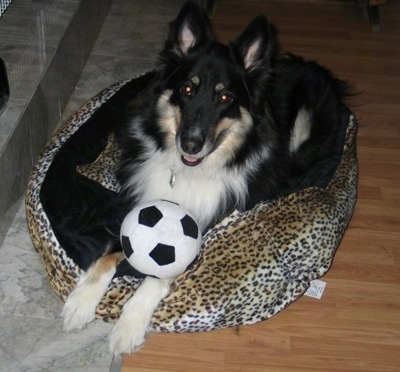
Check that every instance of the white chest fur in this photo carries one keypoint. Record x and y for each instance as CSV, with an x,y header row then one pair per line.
x,y
203,190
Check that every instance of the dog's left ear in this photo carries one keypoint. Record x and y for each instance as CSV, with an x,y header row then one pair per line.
x,y
190,30
256,48
257,44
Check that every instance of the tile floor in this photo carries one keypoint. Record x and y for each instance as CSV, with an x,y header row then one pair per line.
x,y
31,335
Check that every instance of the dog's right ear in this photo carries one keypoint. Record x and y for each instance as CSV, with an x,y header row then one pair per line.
x,y
189,31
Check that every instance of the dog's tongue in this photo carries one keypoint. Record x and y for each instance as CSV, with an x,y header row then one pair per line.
x,y
191,160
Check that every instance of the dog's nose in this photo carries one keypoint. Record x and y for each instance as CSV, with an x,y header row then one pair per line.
x,y
192,144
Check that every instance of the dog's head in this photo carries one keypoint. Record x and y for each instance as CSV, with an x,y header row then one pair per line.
x,y
212,92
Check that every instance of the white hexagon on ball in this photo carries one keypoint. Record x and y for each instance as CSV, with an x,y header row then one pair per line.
x,y
160,238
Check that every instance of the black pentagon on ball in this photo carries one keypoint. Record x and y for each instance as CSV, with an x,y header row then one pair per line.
x,y
190,227
150,216
163,254
126,246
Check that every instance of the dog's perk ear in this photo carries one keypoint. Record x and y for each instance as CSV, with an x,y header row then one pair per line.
x,y
190,30
256,48
257,44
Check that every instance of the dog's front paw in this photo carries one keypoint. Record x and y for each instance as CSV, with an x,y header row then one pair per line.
x,y
79,309
129,333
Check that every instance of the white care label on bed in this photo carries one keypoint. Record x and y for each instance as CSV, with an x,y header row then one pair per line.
x,y
316,289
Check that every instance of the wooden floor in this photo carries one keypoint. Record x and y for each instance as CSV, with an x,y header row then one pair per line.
x,y
356,324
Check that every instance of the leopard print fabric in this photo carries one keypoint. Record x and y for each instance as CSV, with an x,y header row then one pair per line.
x,y
102,170
252,264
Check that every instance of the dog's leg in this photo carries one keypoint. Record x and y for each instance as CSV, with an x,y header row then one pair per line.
x,y
131,329
80,307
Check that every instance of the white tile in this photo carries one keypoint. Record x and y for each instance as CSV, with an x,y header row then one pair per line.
x,y
34,344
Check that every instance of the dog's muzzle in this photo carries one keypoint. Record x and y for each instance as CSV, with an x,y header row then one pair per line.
x,y
193,148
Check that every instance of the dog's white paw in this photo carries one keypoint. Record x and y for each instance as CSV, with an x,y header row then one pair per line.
x,y
80,308
129,333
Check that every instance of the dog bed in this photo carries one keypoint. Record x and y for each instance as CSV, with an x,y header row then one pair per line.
x,y
252,265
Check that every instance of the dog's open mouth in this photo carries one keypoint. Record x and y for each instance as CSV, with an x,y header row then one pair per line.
x,y
191,161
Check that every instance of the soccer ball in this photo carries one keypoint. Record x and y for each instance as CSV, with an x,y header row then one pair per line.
x,y
160,239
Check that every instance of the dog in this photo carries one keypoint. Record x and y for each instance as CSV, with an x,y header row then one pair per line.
x,y
218,128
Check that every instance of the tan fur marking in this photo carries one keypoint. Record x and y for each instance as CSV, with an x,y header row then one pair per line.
x,y
195,80
237,130
104,264
170,117
237,127
219,87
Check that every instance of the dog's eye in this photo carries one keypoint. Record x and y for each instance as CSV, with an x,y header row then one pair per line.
x,y
186,89
224,98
